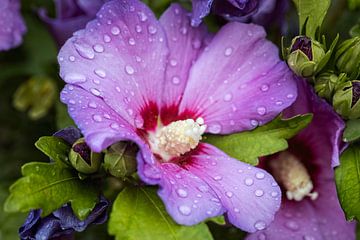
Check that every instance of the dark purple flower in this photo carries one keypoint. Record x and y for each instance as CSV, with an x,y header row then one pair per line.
x,y
71,15
12,26
263,12
305,172
69,134
61,223
162,84
303,43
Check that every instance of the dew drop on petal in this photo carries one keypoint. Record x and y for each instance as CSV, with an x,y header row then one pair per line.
x,y
203,188
115,30
279,103
236,210
176,80
142,16
254,123
152,29
228,51
132,41
274,194
217,178
95,92
182,193
215,128
173,62
249,182
100,72
260,225
259,192
292,225
129,69
114,126
290,95
92,105
261,110
71,58
227,97
229,194
138,28
98,48
85,51
185,210
107,38
260,175
264,88
97,118
74,78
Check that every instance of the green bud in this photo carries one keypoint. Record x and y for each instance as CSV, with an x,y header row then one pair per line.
x,y
347,57
326,83
36,95
346,99
83,159
305,55
120,159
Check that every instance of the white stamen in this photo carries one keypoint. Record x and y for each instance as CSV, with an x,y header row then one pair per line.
x,y
292,174
177,138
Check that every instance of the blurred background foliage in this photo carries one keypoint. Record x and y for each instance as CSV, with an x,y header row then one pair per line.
x,y
30,85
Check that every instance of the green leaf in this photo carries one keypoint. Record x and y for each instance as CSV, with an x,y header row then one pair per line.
x,y
352,130
48,186
55,148
311,13
265,140
138,213
347,177
220,220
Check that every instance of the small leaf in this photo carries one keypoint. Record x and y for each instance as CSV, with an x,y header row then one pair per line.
x,y
311,13
220,220
347,177
138,213
352,130
265,140
48,186
55,148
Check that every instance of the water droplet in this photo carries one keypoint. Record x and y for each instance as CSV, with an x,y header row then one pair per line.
x,y
217,178
274,194
92,105
228,51
240,171
292,225
183,30
236,210
114,126
75,78
107,38
138,28
254,123
259,192
182,193
185,210
98,48
261,110
107,116
208,212
173,62
274,184
290,95
260,175
142,16
260,225
129,69
203,188
132,41
176,80
71,101
264,88
101,73
115,30
85,51
249,182
215,128
279,103
152,29
229,194
95,91
71,58
97,118
227,97
177,11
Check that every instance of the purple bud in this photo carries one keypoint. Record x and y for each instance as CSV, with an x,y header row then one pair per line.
x,y
303,44
355,92
83,149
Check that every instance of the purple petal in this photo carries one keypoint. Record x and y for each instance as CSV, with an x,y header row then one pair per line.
x,y
185,44
250,195
12,26
69,134
100,125
307,219
188,199
119,57
239,84
201,8
323,135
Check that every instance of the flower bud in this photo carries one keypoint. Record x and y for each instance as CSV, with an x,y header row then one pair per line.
x,y
326,83
83,159
120,159
305,55
346,99
347,57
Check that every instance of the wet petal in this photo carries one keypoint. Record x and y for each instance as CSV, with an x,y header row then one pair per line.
x,y
119,57
100,125
12,26
307,219
250,195
247,84
201,8
185,44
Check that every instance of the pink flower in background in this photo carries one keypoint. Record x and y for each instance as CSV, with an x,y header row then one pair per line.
x,y
310,209
162,84
12,26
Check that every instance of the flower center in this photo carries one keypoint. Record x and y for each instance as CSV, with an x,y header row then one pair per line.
x,y
176,138
292,174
